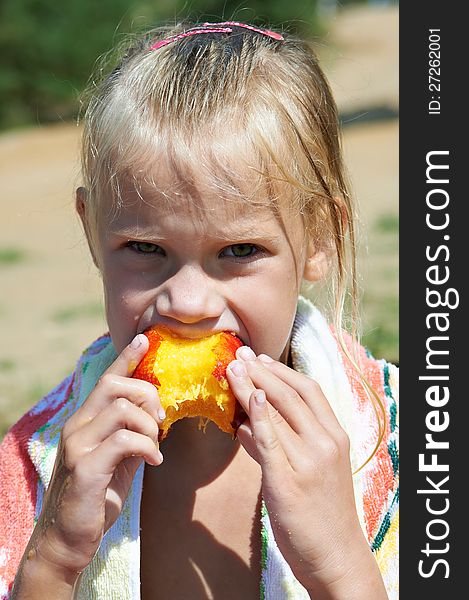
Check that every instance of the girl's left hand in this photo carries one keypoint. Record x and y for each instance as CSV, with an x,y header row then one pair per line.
x,y
307,486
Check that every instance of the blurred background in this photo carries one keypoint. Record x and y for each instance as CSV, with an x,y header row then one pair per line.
x,y
51,300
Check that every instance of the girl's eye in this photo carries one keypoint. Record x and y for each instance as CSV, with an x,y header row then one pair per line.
x,y
240,250
145,247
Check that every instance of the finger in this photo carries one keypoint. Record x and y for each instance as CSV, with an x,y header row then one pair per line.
x,y
243,387
270,453
281,396
141,393
127,361
240,383
120,414
99,465
328,437
246,438
109,388
116,492
309,390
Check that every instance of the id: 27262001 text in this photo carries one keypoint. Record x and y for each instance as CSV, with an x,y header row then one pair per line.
x,y
434,71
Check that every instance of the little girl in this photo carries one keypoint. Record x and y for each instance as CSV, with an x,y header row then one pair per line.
x,y
213,187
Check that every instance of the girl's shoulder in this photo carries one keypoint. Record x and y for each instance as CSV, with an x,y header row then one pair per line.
x,y
339,360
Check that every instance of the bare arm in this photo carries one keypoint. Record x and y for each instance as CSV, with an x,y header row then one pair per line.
x,y
306,479
101,447
38,579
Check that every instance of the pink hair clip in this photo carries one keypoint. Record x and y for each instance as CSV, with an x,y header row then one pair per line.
x,y
272,34
225,27
188,33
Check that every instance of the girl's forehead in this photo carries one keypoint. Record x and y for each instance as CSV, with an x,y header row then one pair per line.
x,y
234,188
165,201
195,204
200,175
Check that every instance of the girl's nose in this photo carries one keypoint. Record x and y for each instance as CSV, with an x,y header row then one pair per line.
x,y
190,296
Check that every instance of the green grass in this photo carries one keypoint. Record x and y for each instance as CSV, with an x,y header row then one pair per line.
x,y
381,338
11,256
72,313
388,223
380,300
380,327
6,365
382,341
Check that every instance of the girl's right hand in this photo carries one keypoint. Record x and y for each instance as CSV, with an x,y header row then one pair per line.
x,y
100,449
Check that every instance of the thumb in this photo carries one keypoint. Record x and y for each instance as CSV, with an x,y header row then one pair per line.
x,y
127,361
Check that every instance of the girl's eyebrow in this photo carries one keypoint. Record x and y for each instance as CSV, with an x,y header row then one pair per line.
x,y
252,233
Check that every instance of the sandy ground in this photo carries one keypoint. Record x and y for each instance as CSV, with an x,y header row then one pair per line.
x,y
50,305
360,54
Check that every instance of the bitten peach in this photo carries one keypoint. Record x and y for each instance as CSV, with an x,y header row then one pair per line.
x,y
190,375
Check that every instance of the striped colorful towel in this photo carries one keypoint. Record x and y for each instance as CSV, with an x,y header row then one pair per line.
x,y
28,451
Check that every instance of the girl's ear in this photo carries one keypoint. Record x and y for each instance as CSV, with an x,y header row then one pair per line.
x,y
81,208
317,265
318,262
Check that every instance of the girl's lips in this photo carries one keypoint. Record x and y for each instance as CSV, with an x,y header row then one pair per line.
x,y
192,333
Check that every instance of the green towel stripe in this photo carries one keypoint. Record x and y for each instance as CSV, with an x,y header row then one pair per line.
x,y
388,392
385,525
48,424
387,387
393,415
394,454
43,428
264,546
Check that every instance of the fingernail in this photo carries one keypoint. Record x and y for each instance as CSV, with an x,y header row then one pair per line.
x,y
245,353
265,358
238,369
158,461
259,397
137,341
161,414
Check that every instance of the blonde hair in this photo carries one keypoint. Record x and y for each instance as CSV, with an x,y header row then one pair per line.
x,y
267,99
